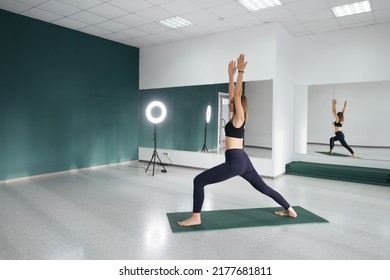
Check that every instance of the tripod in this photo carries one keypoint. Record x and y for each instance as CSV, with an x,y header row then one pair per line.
x,y
204,149
155,154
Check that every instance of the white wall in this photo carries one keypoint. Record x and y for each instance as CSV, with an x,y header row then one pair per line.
x,y
204,60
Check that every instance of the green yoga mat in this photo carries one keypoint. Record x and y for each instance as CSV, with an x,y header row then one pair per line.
x,y
240,218
333,154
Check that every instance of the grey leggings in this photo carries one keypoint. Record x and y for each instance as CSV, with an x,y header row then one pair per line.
x,y
236,163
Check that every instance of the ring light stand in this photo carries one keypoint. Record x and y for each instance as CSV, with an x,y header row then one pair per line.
x,y
155,121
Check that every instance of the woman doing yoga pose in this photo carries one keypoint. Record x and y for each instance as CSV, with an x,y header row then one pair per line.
x,y
338,127
237,162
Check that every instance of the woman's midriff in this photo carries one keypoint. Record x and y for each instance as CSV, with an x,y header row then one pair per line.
x,y
233,143
337,129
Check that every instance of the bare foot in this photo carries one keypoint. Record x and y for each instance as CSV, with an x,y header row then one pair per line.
x,y
289,212
330,152
194,220
354,155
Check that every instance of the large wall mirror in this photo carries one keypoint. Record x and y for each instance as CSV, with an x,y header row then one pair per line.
x,y
366,126
185,127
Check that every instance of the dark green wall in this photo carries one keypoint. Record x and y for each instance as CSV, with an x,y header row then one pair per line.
x,y
183,128
67,99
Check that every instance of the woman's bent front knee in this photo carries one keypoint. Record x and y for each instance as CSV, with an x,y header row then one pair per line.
x,y
198,181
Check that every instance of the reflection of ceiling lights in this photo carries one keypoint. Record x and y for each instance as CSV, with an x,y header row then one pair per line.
x,y
351,9
151,106
254,5
175,22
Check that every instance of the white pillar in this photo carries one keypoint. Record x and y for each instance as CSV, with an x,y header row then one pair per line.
x,y
300,119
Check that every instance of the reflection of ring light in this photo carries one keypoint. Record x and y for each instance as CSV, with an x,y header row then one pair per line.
x,y
151,107
208,114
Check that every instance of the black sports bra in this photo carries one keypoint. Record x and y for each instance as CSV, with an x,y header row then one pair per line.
x,y
338,124
232,131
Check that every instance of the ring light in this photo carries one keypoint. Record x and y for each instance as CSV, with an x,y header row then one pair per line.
x,y
149,109
208,114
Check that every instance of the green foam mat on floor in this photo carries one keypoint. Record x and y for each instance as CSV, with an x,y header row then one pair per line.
x,y
333,154
241,218
357,174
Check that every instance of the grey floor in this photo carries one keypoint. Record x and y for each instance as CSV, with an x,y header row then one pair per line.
x,y
119,212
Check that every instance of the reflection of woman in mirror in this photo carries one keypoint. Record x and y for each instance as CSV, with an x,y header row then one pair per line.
x,y
338,127
237,161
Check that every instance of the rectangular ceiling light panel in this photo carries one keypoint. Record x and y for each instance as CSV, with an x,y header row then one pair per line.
x,y
254,5
352,9
175,22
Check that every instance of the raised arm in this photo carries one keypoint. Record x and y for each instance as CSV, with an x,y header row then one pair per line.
x,y
345,105
231,70
239,117
334,111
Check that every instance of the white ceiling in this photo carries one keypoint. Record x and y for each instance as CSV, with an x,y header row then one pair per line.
x,y
136,22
